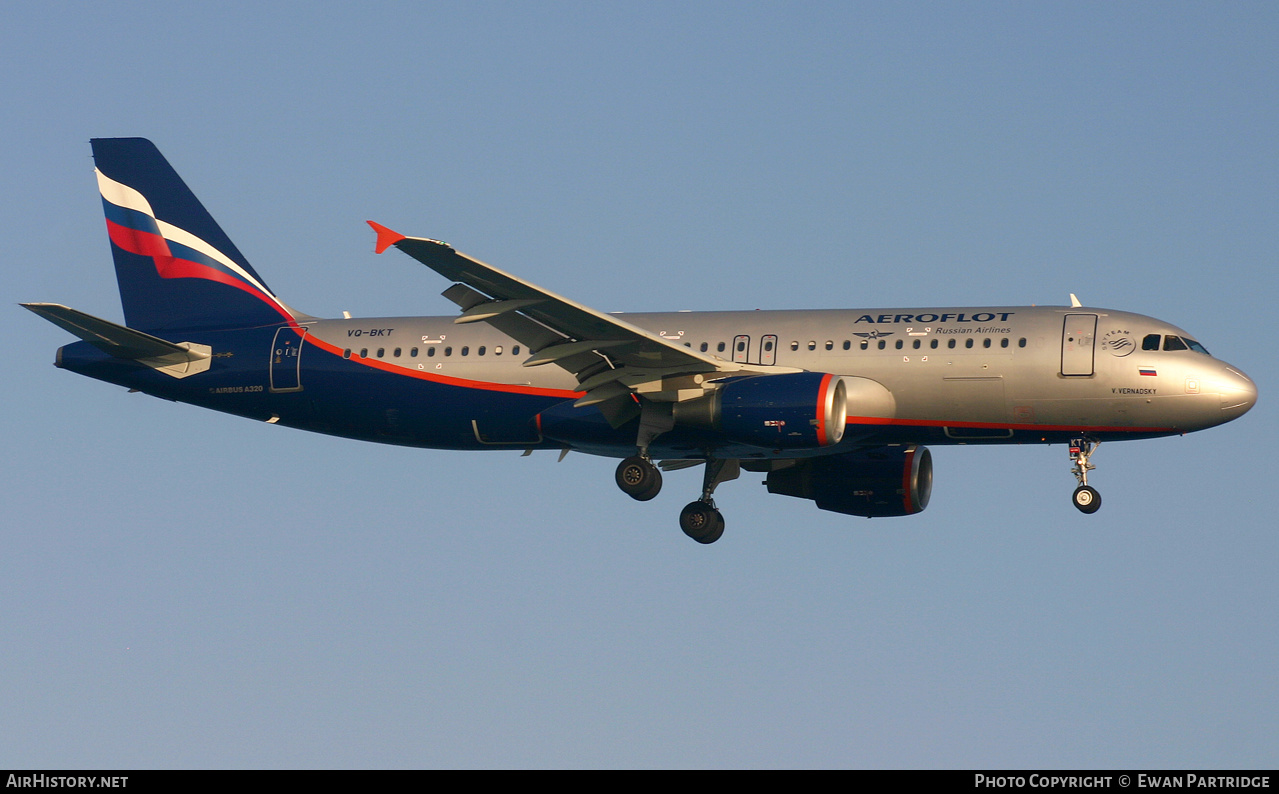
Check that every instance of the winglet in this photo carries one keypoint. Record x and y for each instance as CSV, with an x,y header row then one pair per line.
x,y
385,237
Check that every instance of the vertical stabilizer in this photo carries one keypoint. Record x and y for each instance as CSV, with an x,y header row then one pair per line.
x,y
175,266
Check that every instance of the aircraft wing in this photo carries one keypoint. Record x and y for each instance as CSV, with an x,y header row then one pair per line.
x,y
610,358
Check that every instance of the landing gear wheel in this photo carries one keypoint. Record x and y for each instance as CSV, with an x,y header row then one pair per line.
x,y
638,478
1087,499
701,522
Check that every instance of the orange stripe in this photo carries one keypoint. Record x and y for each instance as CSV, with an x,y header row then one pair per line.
x,y
465,383
821,410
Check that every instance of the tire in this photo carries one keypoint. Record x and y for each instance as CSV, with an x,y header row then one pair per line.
x,y
701,522
1086,499
638,479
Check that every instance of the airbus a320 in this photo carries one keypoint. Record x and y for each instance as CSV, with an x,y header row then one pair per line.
x,y
832,406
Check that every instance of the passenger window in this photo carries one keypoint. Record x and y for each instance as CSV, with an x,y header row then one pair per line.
x,y
933,344
1150,342
364,352
481,350
430,351
466,350
397,352
741,346
830,345
704,347
899,344
882,344
985,342
720,348
413,353
950,343
1174,343
847,344
768,346
1021,342
381,351
497,350
917,344
793,346
346,353
812,344
1003,342
448,351
968,342
865,344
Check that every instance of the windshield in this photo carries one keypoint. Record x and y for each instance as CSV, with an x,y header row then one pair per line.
x,y
1195,346
1172,342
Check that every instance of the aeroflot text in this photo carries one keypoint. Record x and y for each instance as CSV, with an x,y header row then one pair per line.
x,y
1188,780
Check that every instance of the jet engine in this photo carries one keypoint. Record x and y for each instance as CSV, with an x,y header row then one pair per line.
x,y
798,410
877,482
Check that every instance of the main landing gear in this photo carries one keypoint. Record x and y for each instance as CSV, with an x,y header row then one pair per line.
x,y
1085,497
700,520
639,478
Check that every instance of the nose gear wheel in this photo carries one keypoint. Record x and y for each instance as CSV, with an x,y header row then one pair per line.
x,y
1085,498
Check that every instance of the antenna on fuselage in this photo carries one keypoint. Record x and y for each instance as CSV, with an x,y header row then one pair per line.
x,y
1074,302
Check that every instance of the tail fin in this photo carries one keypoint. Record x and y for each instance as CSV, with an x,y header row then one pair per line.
x,y
175,266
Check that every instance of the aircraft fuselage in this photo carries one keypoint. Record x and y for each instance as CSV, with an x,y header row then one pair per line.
x,y
983,375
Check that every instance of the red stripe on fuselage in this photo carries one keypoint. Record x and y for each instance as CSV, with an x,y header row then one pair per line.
x,y
421,374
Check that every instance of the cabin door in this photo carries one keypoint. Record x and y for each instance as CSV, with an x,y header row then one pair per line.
x,y
1078,337
286,359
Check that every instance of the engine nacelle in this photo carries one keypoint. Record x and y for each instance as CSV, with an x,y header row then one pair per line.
x,y
797,410
884,481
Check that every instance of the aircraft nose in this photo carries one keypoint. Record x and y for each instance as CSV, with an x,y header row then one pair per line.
x,y
1238,393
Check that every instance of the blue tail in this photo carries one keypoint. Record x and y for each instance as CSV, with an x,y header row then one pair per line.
x,y
175,266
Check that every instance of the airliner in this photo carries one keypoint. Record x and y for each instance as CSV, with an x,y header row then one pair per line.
x,y
833,406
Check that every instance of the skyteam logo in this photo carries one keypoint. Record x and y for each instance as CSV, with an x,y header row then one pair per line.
x,y
1118,343
133,227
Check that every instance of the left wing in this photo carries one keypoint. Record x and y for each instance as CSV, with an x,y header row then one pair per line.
x,y
611,359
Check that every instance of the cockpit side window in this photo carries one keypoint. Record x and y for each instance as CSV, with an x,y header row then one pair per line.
x,y
1151,342
1195,346
1174,343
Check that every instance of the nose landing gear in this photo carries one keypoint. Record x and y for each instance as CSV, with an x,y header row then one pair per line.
x,y
1085,498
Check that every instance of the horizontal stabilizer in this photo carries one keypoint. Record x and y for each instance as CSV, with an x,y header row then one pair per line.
x,y
176,359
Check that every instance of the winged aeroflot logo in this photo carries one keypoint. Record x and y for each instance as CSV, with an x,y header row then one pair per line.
x,y
876,334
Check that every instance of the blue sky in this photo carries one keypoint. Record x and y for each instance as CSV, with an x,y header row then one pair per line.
x,y
185,589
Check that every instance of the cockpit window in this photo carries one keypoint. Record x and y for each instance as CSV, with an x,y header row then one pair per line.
x,y
1195,346
1174,343
1151,342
